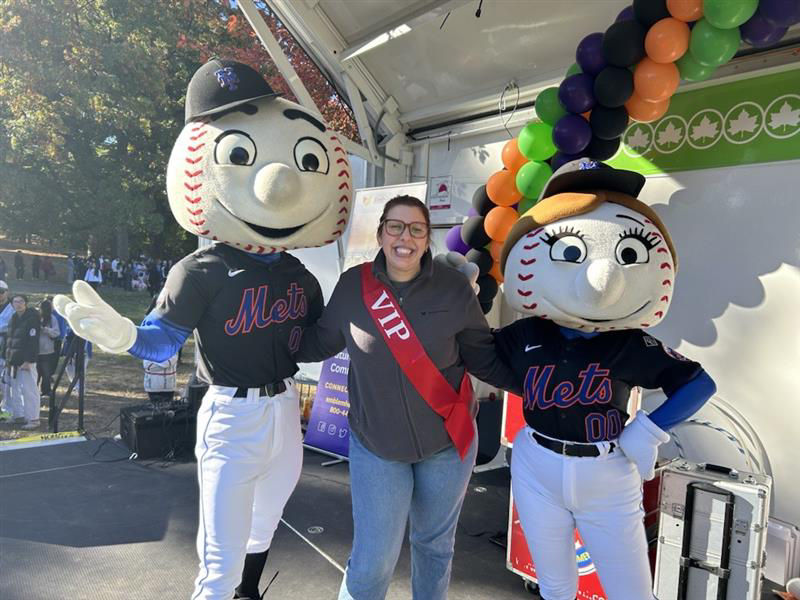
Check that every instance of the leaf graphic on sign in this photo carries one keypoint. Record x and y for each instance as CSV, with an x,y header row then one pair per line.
x,y
743,123
705,129
670,135
785,117
639,139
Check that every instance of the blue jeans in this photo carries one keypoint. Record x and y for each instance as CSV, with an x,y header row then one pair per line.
x,y
388,493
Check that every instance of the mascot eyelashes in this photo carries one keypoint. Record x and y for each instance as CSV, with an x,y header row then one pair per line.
x,y
591,265
257,175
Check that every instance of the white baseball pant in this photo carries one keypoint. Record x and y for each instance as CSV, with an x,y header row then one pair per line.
x,y
249,456
602,497
23,394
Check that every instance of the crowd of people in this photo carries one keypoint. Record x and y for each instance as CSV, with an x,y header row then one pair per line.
x,y
31,340
138,274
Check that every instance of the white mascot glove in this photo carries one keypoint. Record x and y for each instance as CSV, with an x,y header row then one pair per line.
x,y
457,261
93,319
640,441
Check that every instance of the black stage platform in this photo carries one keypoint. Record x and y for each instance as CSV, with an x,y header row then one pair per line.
x,y
80,521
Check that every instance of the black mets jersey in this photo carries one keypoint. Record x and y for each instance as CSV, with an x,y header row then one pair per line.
x,y
247,315
577,389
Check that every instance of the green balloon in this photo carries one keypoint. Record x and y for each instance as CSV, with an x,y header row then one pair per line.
x,y
574,69
532,177
548,108
727,14
525,205
691,70
712,46
536,141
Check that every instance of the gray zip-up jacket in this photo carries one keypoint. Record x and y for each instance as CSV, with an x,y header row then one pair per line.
x,y
386,413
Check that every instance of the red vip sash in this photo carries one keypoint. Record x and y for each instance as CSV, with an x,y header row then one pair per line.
x,y
416,364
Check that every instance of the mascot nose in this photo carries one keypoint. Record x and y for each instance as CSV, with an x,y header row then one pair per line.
x,y
601,284
277,185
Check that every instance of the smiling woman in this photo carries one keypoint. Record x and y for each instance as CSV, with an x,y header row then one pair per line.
x,y
412,327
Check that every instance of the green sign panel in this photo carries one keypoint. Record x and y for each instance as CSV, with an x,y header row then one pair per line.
x,y
750,121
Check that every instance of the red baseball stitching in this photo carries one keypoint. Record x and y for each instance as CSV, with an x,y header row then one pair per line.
x,y
524,294
527,262
531,306
531,247
662,250
666,282
659,313
198,132
525,277
535,233
664,298
343,209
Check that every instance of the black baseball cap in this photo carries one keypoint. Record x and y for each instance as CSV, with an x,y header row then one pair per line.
x,y
587,174
222,84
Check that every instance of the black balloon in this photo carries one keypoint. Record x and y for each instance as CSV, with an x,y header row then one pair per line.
x,y
473,234
608,123
480,257
600,149
613,86
488,288
623,43
649,12
486,306
481,201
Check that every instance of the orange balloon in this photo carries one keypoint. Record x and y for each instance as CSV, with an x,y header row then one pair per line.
x,y
685,10
499,221
495,248
513,159
502,188
655,82
643,111
667,40
495,272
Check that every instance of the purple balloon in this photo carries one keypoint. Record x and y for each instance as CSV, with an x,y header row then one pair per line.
x,y
781,12
576,93
626,14
560,159
454,242
589,54
572,134
472,212
759,31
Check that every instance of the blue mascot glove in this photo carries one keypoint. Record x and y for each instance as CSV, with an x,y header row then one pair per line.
x,y
640,441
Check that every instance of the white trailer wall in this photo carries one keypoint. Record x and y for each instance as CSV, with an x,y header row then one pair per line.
x,y
735,309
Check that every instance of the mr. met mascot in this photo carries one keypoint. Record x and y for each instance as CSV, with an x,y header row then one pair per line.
x,y
257,175
591,266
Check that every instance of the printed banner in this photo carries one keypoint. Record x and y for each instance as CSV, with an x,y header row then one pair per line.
x,y
327,426
743,122
439,192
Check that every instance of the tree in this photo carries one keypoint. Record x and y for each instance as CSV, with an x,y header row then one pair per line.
x,y
91,101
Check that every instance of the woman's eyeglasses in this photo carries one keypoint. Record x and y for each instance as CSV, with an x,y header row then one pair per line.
x,y
395,228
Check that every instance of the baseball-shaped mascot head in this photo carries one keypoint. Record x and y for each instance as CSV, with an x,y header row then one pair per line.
x,y
255,171
589,255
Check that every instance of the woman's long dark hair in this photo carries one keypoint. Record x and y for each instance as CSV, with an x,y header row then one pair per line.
x,y
46,310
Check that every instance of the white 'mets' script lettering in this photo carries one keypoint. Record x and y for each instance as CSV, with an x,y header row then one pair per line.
x,y
400,329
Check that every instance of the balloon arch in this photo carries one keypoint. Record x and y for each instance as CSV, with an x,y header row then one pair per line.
x,y
627,73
